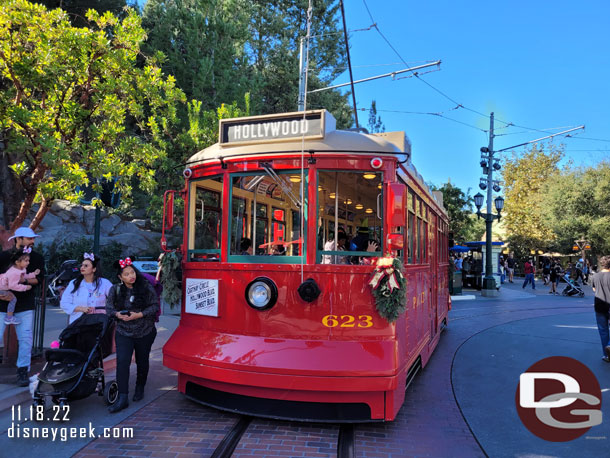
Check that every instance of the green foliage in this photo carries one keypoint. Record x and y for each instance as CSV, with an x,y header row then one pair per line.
x,y
473,230
525,176
55,254
220,49
172,287
575,205
77,9
203,46
391,303
375,123
75,103
459,207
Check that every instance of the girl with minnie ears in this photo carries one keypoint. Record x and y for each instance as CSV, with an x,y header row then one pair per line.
x,y
134,304
88,291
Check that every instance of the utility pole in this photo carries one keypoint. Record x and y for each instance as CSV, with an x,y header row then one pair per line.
x,y
489,283
489,164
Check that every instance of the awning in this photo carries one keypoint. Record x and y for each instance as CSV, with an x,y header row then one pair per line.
x,y
459,249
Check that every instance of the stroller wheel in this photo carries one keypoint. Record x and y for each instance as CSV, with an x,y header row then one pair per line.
x,y
38,401
111,393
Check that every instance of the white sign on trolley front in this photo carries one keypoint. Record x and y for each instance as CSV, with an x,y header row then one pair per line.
x,y
201,296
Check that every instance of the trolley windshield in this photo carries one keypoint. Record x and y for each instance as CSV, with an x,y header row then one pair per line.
x,y
267,221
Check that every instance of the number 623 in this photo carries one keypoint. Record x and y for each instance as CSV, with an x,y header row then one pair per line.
x,y
347,321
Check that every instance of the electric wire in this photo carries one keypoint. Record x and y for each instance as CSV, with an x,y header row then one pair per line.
x,y
588,138
451,99
440,115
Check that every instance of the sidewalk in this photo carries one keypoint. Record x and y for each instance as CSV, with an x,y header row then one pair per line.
x,y
55,321
511,291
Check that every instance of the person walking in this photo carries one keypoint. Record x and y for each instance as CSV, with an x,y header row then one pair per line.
x,y
586,270
601,287
529,271
87,292
554,277
546,270
134,304
510,267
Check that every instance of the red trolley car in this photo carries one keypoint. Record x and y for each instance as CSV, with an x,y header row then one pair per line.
x,y
278,320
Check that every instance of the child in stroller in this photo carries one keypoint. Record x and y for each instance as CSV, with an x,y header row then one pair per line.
x,y
75,370
572,288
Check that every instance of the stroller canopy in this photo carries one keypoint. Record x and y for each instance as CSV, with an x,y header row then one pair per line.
x,y
82,333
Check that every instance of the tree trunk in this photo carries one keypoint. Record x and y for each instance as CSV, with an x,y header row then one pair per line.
x,y
11,191
30,194
42,211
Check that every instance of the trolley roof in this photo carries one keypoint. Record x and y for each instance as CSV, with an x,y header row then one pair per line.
x,y
314,130
286,133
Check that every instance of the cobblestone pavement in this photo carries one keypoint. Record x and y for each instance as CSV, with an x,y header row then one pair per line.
x,y
430,423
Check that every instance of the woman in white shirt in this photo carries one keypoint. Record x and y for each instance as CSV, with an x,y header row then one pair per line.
x,y
87,292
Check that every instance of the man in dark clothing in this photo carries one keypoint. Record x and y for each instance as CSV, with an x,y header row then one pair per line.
x,y
601,287
26,302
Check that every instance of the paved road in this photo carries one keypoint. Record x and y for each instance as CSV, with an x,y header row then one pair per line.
x,y
460,405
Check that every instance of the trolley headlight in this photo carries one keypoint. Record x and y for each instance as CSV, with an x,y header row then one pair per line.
x,y
261,293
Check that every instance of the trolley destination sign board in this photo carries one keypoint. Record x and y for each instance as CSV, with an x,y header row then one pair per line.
x,y
201,297
264,129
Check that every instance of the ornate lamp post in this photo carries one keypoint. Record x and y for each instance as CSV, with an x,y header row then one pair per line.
x,y
489,283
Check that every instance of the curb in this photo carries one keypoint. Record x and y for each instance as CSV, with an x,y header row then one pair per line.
x,y
467,297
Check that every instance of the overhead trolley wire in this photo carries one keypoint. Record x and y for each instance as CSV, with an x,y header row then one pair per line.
x,y
458,105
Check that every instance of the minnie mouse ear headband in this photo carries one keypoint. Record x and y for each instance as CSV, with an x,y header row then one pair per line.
x,y
90,256
125,262
27,250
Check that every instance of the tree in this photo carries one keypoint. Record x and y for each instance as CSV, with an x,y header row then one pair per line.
x,y
575,205
77,9
375,123
459,208
203,44
475,229
221,49
524,179
74,106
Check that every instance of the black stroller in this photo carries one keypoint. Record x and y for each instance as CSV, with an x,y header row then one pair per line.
x,y
75,370
572,288
59,280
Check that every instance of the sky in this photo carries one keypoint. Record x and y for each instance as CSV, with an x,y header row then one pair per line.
x,y
540,64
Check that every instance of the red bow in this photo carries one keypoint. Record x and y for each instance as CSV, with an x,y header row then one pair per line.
x,y
124,262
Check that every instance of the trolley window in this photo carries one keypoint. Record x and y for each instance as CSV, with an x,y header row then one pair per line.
x,y
349,210
272,233
205,216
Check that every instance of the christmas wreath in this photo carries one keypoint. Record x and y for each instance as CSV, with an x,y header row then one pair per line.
x,y
389,288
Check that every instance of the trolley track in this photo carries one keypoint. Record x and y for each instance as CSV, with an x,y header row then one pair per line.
x,y
345,439
227,446
345,442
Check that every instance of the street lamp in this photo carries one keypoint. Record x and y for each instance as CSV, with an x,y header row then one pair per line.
x,y
487,183
489,283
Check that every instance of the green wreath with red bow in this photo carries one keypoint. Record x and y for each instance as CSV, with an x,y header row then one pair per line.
x,y
389,288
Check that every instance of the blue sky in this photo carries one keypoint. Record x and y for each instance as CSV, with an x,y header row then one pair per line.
x,y
538,64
